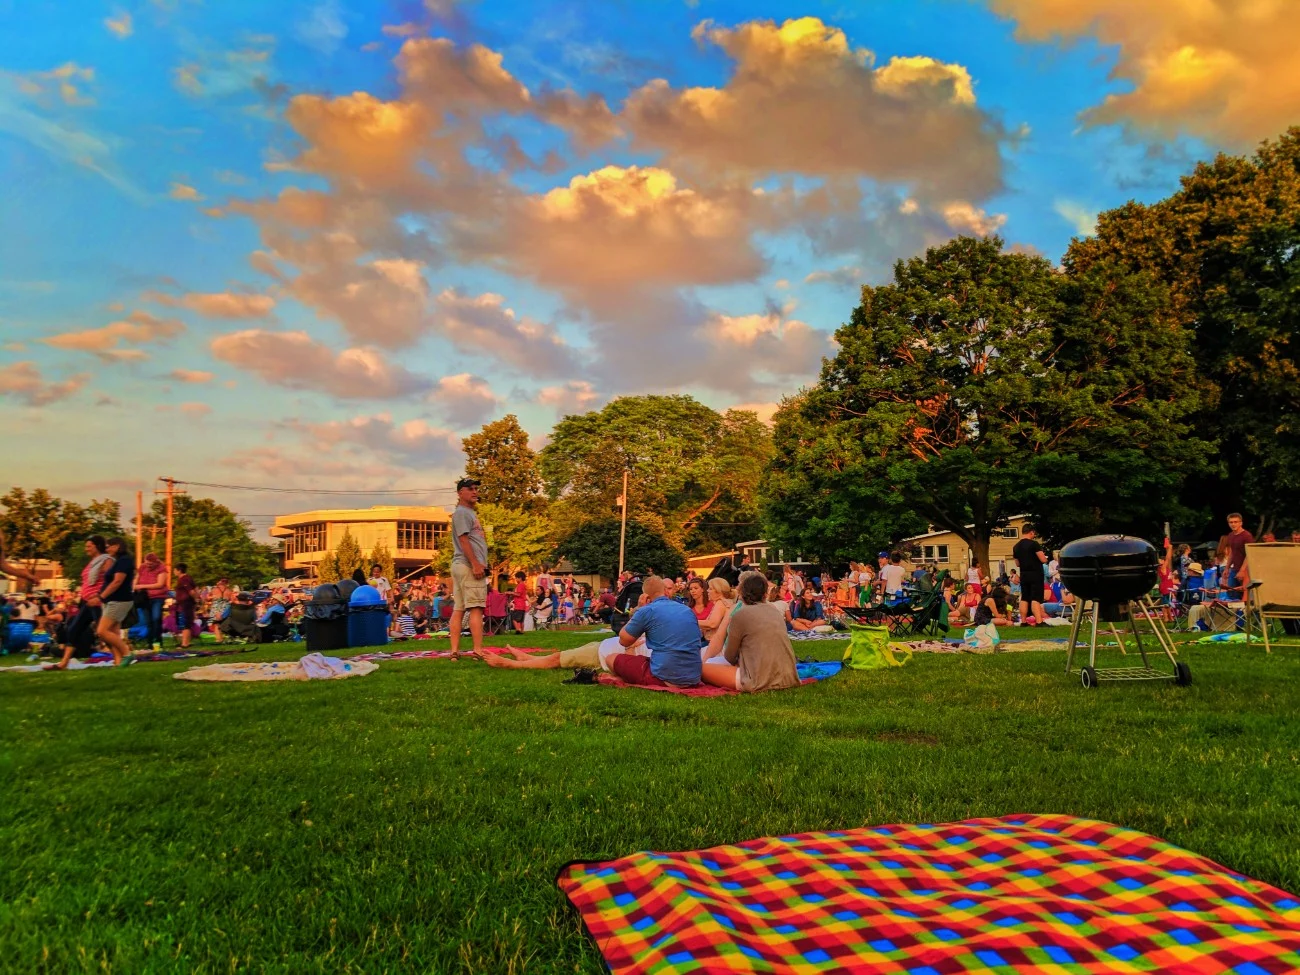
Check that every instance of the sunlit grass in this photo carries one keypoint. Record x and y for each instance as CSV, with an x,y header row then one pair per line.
x,y
414,819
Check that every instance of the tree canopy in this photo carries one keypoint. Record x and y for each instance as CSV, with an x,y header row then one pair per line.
x,y
212,541
517,539
593,549
38,525
499,456
978,385
691,467
1227,248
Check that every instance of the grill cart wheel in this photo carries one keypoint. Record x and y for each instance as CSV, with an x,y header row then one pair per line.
x,y
1182,674
1088,677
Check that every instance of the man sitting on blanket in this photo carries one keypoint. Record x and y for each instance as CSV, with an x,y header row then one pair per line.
x,y
672,634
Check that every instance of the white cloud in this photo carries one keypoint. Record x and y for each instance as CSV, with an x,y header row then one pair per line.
x,y
575,396
323,29
196,376
840,276
1079,217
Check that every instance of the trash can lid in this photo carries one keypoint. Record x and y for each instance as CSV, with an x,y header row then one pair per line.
x,y
346,587
327,593
367,596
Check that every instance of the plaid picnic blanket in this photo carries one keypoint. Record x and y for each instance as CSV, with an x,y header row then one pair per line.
x,y
810,672
1049,894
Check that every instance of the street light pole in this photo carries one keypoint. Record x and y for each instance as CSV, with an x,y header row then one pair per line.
x,y
622,532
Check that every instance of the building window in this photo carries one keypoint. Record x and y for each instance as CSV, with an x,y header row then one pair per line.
x,y
942,554
1009,532
915,551
422,535
306,538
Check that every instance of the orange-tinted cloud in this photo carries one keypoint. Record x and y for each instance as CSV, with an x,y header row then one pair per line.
x,y
107,342
1225,70
196,376
120,25
408,440
24,382
624,227
297,361
801,100
221,304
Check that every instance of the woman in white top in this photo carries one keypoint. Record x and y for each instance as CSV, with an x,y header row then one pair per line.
x,y
975,575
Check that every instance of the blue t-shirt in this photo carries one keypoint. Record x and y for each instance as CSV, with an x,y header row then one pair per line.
x,y
672,635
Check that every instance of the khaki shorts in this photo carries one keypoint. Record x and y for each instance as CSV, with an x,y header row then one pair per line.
x,y
587,655
117,612
466,591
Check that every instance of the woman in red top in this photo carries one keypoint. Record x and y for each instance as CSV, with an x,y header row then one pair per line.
x,y
80,634
699,600
519,601
151,580
1168,582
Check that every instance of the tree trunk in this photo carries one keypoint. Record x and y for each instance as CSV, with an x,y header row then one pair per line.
x,y
980,546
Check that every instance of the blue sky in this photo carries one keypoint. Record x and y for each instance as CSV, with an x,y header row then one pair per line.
x,y
310,244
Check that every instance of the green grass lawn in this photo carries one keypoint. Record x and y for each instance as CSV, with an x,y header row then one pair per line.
x,y
414,819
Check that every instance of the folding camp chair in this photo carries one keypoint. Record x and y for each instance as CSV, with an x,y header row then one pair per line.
x,y
1274,593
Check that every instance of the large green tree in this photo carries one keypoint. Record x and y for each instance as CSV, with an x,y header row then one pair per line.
x,y
38,525
1227,248
593,549
517,539
981,384
694,472
499,456
212,541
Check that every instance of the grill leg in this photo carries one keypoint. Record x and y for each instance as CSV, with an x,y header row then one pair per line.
x,y
1161,632
1137,637
1074,634
1092,650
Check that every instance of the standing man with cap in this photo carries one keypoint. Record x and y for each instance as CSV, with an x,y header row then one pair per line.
x,y
468,566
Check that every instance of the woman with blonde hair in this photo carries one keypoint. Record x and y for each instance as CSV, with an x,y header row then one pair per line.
x,y
723,600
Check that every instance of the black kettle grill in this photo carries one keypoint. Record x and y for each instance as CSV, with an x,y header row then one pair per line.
x,y
1111,577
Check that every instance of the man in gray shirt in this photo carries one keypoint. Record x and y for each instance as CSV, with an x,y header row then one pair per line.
x,y
468,566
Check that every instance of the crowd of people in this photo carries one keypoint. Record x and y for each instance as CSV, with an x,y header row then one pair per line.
x,y
155,600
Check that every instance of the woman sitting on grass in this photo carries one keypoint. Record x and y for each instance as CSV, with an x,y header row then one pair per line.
x,y
698,599
992,608
806,612
758,652
722,600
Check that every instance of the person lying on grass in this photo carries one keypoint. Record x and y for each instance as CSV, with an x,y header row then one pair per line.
x,y
672,634
758,651
592,656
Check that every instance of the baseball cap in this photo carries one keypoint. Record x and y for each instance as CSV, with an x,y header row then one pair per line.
x,y
882,555
465,482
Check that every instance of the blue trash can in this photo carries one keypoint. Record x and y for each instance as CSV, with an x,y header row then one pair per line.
x,y
20,635
367,618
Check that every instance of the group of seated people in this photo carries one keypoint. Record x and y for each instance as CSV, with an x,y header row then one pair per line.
x,y
724,637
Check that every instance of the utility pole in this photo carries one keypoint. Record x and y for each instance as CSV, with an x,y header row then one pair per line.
x,y
170,493
139,526
622,532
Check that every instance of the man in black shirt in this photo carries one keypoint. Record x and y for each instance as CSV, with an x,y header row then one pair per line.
x,y
118,598
1031,558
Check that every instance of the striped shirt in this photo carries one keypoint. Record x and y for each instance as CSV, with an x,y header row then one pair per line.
x,y
406,625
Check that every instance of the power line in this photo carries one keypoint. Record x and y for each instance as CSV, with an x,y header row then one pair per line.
x,y
281,490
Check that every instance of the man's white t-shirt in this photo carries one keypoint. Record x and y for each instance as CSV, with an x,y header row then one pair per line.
x,y
382,584
892,577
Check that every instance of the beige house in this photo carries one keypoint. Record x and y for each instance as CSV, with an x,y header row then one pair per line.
x,y
412,534
947,551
